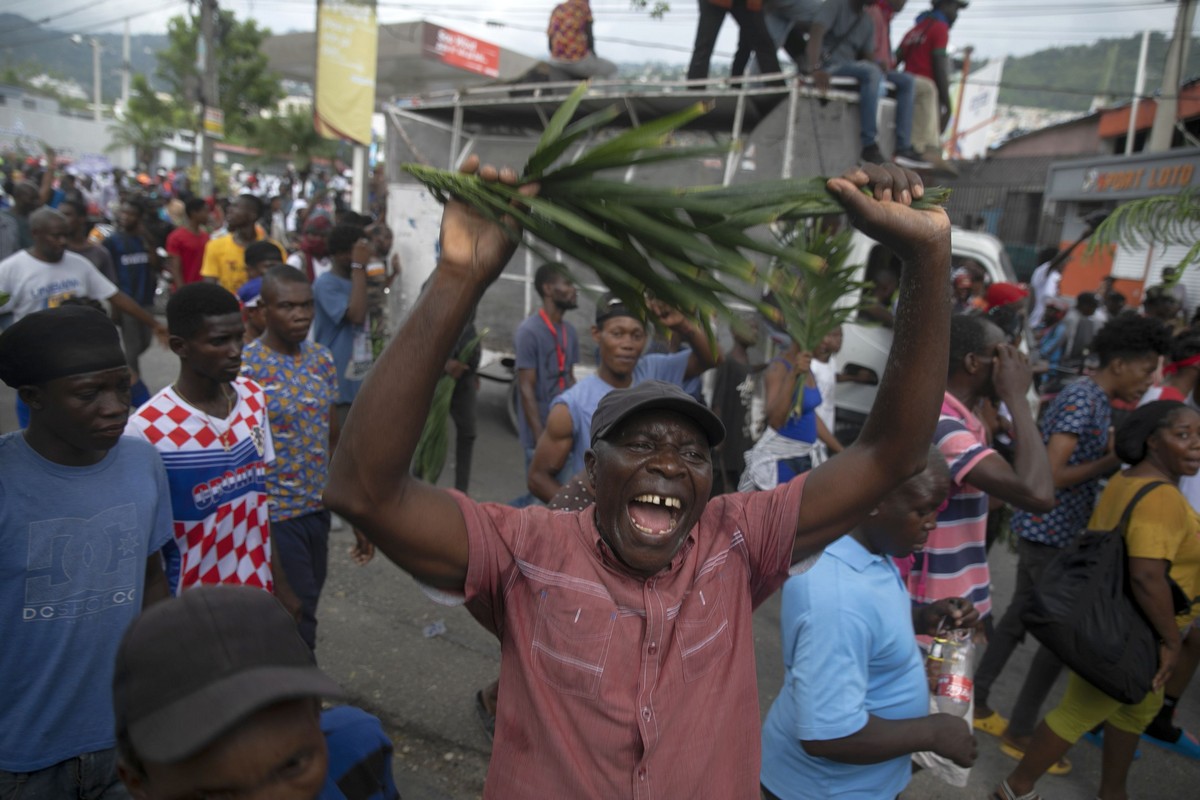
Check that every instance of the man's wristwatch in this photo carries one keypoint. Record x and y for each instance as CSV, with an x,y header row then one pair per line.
x,y
356,265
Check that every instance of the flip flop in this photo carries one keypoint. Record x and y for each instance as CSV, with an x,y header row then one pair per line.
x,y
993,724
1003,792
487,720
1063,767
1187,745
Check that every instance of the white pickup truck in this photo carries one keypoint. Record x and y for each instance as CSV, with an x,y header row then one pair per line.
x,y
866,345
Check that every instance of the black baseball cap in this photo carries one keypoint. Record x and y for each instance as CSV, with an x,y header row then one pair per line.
x,y
609,306
648,396
190,668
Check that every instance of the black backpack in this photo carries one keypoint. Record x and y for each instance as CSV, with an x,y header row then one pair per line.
x,y
1083,612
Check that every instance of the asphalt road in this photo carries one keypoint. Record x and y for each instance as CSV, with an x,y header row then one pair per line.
x,y
373,638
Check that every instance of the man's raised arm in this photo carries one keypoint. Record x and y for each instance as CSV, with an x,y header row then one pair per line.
x,y
894,442
416,525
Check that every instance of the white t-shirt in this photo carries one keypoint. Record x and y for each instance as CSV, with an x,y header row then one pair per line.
x,y
825,375
28,284
1044,283
320,265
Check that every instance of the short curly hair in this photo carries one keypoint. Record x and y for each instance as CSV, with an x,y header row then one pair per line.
x,y
1130,336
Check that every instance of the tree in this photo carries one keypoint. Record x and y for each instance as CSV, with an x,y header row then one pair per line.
x,y
294,136
1166,219
144,135
246,86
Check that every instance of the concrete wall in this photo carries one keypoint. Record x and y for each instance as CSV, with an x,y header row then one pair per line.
x,y
71,137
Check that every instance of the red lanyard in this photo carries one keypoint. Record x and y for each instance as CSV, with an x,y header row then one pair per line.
x,y
560,348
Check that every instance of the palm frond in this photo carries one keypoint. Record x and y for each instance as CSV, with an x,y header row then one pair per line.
x,y
1164,220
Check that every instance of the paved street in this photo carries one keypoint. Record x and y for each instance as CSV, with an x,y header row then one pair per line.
x,y
372,640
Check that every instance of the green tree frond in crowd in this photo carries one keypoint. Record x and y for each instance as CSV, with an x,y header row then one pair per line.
x,y
1164,220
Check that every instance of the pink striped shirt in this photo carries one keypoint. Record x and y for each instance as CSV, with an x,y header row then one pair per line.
x,y
954,560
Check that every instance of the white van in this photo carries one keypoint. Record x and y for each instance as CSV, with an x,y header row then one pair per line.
x,y
866,345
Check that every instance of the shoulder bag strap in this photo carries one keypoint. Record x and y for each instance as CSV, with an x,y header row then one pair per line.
x,y
1142,492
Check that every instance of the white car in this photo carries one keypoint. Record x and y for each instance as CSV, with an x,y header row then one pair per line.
x,y
866,345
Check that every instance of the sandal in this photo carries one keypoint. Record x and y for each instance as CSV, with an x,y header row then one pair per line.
x,y
1062,767
993,724
487,720
1003,792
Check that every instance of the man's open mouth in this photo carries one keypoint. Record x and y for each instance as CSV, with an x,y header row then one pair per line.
x,y
654,514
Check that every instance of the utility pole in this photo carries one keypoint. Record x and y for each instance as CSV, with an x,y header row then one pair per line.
x,y
1139,86
126,65
207,61
97,112
1167,109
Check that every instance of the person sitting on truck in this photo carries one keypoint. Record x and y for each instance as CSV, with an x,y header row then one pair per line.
x,y
923,50
572,45
841,42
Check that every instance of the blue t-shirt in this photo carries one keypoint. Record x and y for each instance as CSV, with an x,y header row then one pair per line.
x,y
582,398
1083,410
849,653
131,262
73,548
330,328
360,756
538,350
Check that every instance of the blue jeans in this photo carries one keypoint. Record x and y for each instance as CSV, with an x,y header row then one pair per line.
x,y
870,78
91,776
302,546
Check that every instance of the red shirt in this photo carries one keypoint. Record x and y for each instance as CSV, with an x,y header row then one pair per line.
x,y
188,247
881,14
930,35
615,686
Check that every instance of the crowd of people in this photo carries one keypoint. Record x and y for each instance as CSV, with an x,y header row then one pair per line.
x,y
165,551
654,523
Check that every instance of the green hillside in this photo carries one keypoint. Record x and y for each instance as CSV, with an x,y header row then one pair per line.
x,y
1068,78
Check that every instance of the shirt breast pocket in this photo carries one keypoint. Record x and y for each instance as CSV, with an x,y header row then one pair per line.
x,y
702,630
571,639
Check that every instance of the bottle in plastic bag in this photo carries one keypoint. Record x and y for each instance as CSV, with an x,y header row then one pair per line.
x,y
956,672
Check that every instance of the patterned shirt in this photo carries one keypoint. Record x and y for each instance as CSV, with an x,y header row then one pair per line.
x,y
648,685
954,562
568,30
1083,410
217,472
300,392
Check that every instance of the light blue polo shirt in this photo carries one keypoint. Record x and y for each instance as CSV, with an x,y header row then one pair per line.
x,y
849,652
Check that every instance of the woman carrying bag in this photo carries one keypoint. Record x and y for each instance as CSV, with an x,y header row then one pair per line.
x,y
1161,441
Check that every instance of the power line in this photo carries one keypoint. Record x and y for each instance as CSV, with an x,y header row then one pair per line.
x,y
160,6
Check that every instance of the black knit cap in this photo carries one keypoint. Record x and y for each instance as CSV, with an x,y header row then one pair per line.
x,y
56,343
619,404
191,667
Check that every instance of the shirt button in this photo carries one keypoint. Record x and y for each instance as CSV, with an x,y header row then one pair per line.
x,y
641,774
653,648
646,713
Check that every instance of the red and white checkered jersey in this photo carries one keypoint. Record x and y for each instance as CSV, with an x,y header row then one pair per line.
x,y
217,472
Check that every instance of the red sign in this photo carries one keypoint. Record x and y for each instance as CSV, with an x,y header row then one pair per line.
x,y
462,51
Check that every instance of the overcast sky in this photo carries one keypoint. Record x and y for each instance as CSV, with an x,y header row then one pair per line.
x,y
992,27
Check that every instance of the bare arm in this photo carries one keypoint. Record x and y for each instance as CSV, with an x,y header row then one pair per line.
x,y
827,438
356,311
941,78
1060,448
527,390
702,357
1028,483
894,442
1148,581
335,430
779,388
417,526
884,739
126,304
553,449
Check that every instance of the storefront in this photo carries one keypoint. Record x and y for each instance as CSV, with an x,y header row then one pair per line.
x,y
1074,189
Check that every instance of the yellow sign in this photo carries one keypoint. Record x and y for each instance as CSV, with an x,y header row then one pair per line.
x,y
214,123
347,41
